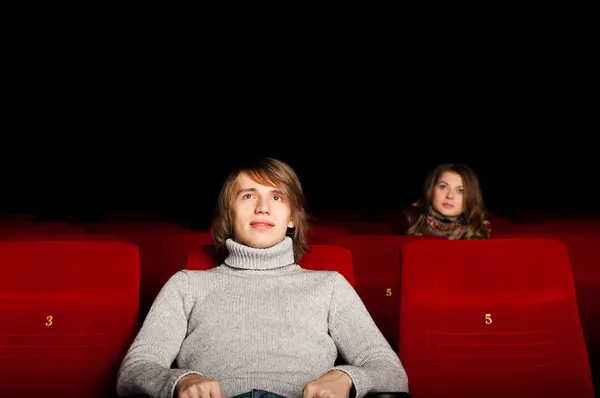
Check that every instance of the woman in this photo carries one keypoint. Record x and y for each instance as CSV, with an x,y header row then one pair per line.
x,y
452,205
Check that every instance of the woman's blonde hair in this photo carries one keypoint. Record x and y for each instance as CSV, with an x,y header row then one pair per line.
x,y
266,171
474,209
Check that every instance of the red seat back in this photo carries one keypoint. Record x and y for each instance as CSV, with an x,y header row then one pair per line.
x,y
163,251
68,313
330,258
368,227
377,264
319,234
584,252
493,318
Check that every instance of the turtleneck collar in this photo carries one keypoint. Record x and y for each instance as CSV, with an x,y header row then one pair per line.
x,y
250,258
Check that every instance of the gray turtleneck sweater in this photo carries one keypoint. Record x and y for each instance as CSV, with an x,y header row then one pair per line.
x,y
258,321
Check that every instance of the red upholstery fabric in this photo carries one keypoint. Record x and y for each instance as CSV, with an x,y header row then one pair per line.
x,y
558,227
319,234
575,226
321,257
68,313
584,253
377,265
163,251
201,258
330,258
493,318
367,227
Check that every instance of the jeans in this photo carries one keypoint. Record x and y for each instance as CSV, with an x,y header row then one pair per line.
x,y
259,394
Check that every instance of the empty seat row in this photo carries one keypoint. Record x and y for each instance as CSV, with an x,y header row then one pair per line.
x,y
431,315
376,260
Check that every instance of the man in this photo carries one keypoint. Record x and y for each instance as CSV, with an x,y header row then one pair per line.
x,y
259,322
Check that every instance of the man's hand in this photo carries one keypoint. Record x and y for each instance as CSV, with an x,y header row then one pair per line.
x,y
334,384
196,386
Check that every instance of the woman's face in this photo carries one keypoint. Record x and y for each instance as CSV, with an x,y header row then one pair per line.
x,y
448,195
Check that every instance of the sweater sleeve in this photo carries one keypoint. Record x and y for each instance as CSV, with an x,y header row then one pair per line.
x,y
371,363
146,368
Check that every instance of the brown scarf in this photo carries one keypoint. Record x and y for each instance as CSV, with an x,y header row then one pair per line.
x,y
438,225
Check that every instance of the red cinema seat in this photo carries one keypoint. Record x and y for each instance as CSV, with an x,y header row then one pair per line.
x,y
201,258
368,227
570,226
321,257
492,318
163,251
330,258
576,226
319,234
376,260
68,313
584,252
